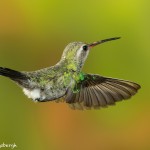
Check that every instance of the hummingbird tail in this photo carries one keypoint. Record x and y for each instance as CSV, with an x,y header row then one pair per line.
x,y
12,74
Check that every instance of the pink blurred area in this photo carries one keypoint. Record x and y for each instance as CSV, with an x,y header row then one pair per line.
x,y
33,35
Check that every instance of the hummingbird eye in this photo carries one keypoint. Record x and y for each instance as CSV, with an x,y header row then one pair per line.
x,y
85,47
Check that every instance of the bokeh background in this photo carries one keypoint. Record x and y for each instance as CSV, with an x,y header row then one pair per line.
x,y
33,35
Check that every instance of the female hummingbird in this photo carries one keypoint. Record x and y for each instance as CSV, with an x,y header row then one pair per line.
x,y
66,80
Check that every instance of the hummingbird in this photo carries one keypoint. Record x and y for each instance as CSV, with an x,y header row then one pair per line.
x,y
66,81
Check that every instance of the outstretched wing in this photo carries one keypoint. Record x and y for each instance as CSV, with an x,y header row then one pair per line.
x,y
97,91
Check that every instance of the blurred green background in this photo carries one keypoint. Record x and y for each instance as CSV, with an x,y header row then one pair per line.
x,y
33,35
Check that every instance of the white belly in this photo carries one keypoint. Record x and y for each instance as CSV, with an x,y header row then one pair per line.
x,y
38,95
34,94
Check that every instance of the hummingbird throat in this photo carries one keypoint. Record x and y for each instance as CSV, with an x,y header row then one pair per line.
x,y
78,78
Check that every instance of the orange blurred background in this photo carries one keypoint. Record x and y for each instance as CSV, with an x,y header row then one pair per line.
x,y
33,35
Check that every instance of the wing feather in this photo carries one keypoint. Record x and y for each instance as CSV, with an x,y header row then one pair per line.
x,y
97,91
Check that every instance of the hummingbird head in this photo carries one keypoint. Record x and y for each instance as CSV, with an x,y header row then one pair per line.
x,y
76,53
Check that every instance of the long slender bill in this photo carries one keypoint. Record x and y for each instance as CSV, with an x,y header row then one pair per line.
x,y
102,41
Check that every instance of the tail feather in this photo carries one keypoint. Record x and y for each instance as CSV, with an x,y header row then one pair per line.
x,y
12,73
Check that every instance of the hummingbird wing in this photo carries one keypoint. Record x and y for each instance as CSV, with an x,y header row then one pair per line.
x,y
97,91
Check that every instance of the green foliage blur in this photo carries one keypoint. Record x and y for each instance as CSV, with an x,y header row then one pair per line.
x,y
33,35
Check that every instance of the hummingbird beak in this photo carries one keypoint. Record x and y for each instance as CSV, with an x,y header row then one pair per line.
x,y
102,41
